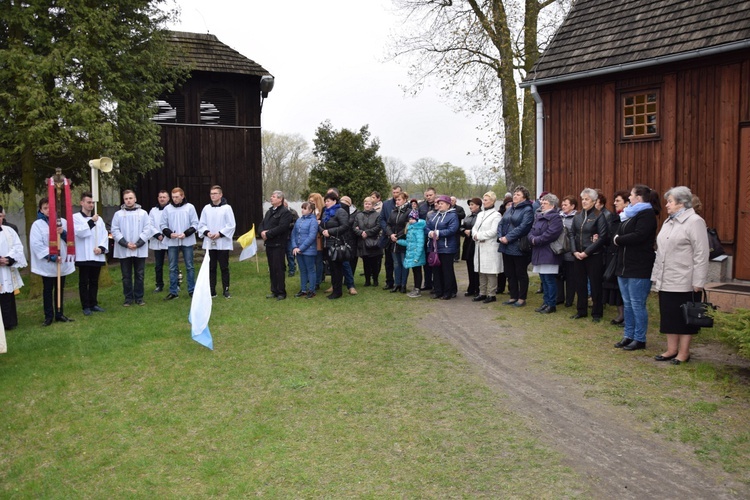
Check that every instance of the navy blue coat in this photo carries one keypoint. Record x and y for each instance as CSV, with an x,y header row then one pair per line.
x,y
446,223
516,223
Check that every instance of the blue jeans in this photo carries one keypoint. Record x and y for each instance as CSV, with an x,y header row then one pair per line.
x,y
400,273
290,257
187,256
634,293
348,275
549,285
307,274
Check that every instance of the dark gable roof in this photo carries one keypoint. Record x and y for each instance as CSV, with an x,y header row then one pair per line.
x,y
204,52
601,35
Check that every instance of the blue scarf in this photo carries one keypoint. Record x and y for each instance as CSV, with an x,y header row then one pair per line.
x,y
632,210
330,212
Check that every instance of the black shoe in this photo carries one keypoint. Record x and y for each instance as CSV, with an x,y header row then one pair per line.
x,y
63,319
623,342
227,295
635,345
617,321
446,297
367,283
676,361
470,294
395,289
549,310
281,296
300,294
596,319
158,289
510,302
375,283
540,309
479,298
426,288
334,296
578,316
310,295
97,309
665,358
271,296
403,289
388,287
489,299
47,322
87,312
140,303
171,296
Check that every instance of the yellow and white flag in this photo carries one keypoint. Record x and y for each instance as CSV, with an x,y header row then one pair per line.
x,y
248,243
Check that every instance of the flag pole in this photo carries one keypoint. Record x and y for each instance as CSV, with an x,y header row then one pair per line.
x,y
59,181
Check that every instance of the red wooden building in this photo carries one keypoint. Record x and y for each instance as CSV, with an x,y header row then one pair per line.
x,y
210,130
654,92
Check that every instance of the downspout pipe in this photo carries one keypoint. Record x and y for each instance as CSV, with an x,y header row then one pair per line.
x,y
539,139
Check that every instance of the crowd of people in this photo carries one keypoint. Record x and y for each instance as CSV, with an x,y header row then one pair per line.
x,y
585,254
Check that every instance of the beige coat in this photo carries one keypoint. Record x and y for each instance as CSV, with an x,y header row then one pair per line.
x,y
681,254
487,260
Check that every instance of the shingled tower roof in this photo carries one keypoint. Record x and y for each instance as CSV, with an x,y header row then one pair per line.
x,y
204,52
603,35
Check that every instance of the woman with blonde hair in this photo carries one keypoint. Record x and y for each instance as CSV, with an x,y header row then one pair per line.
x,y
367,235
317,200
488,262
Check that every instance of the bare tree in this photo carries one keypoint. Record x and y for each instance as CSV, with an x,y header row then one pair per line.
x,y
484,177
395,170
478,49
424,173
287,160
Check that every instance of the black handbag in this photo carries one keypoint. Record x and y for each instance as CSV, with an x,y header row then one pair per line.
x,y
340,251
699,313
524,245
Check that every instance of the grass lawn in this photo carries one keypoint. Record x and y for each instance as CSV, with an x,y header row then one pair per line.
x,y
300,398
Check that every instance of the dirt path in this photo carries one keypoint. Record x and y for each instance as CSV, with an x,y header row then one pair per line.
x,y
620,457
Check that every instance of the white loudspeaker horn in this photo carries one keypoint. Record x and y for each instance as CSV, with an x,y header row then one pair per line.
x,y
104,164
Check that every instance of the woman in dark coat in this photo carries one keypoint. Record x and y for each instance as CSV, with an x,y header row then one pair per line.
x,y
333,226
467,252
590,236
367,232
395,229
516,225
634,241
546,229
611,295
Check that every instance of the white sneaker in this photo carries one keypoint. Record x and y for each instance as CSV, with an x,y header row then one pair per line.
x,y
414,293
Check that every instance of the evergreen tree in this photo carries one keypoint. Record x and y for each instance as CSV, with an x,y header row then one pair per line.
x,y
77,79
348,161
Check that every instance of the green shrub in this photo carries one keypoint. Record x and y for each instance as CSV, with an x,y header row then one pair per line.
x,y
735,329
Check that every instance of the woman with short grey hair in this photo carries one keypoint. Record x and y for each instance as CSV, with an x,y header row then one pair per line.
x,y
680,271
546,229
590,235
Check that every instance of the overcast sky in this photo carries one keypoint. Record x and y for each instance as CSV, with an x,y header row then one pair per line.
x,y
328,60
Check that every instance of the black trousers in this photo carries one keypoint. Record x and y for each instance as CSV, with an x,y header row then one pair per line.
x,y
473,277
337,276
277,268
159,256
49,296
371,266
566,283
88,285
388,268
590,270
516,270
417,272
8,306
444,277
220,258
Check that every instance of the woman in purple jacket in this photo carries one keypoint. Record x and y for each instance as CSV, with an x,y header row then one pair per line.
x,y
546,229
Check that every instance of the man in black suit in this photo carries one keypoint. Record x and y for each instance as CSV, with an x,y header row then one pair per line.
x,y
275,233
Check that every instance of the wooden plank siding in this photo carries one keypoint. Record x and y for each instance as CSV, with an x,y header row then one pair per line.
x,y
701,108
